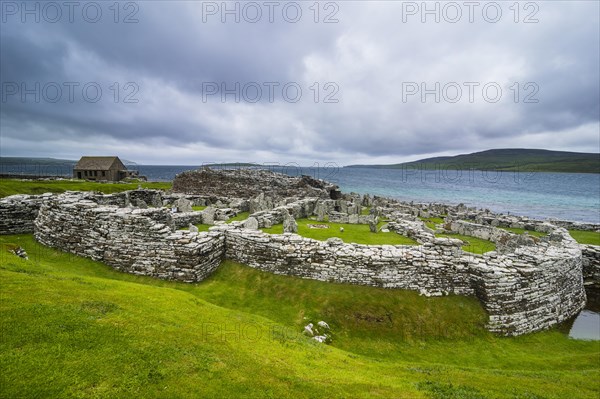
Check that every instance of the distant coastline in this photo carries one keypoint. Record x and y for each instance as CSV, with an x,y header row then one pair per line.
x,y
518,160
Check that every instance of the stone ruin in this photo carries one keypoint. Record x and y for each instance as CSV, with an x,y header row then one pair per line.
x,y
526,285
249,183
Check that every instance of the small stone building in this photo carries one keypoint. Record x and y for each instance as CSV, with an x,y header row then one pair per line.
x,y
101,168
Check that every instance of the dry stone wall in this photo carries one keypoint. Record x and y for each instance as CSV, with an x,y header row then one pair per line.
x,y
526,286
138,241
388,266
18,212
527,289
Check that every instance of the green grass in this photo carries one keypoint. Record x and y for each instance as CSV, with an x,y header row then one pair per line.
x,y
15,186
518,230
198,208
366,210
473,244
204,227
239,217
353,233
585,237
72,327
432,221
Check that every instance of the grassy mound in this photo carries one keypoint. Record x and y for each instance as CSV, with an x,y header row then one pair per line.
x,y
73,327
15,186
353,233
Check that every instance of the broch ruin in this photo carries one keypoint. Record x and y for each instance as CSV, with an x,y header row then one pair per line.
x,y
527,284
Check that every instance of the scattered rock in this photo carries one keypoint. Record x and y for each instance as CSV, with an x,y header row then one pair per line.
x,y
308,329
289,223
208,215
251,223
20,252
373,220
323,324
183,205
320,211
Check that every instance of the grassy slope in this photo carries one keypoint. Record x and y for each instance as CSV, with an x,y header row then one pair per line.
x,y
74,327
511,160
15,186
356,233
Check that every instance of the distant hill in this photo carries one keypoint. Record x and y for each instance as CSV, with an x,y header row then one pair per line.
x,y
41,161
46,161
511,159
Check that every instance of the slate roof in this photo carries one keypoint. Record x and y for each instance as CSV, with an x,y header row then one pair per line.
x,y
98,163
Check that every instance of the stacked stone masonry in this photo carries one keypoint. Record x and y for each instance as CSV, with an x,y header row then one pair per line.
x,y
138,241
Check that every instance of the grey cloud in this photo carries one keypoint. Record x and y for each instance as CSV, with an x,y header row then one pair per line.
x,y
369,54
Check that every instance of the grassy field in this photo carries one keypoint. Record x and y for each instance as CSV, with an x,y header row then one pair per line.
x,y
72,327
585,237
15,186
353,233
204,227
518,230
432,221
473,244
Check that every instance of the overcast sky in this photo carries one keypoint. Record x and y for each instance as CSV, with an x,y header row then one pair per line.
x,y
369,73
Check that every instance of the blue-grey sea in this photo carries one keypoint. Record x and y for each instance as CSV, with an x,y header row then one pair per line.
x,y
568,196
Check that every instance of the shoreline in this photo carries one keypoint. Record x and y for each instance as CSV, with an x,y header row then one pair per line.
x,y
408,200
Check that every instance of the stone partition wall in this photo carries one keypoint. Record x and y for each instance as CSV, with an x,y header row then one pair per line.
x,y
432,269
138,241
529,289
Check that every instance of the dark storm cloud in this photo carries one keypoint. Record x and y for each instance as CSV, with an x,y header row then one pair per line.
x,y
171,54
